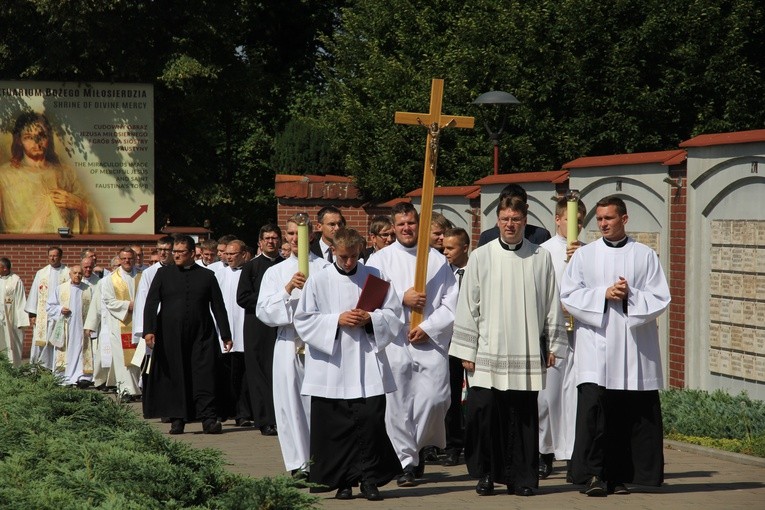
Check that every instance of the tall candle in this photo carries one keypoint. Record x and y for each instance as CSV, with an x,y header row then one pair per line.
x,y
303,243
572,234
572,217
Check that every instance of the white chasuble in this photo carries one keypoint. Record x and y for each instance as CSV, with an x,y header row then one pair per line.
x,y
344,362
508,307
46,278
616,349
73,356
117,291
12,317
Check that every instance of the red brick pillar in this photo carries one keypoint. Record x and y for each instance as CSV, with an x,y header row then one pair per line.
x,y
676,277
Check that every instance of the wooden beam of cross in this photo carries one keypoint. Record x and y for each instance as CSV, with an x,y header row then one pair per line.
x,y
434,121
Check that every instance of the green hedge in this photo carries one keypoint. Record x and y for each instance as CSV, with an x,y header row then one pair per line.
x,y
717,419
63,448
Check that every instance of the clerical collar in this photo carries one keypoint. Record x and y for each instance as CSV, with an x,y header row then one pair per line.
x,y
510,247
616,244
190,265
269,258
346,273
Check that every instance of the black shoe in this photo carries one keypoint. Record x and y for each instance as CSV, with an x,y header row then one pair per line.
x,y
617,488
452,458
212,426
301,475
268,430
429,454
177,426
84,384
243,422
344,493
370,491
545,465
524,491
419,471
407,478
485,486
595,487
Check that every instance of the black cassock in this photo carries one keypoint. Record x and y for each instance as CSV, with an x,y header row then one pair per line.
x,y
259,341
181,380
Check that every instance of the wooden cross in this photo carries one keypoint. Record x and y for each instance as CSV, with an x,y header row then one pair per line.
x,y
434,121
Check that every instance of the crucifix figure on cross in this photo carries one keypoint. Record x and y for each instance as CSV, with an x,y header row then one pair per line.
x,y
435,122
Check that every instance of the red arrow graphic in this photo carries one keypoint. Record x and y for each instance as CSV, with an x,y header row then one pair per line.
x,y
144,208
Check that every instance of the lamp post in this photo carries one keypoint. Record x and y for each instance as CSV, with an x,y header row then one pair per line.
x,y
496,97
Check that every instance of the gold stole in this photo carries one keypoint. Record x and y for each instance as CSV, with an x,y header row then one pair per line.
x,y
122,293
87,353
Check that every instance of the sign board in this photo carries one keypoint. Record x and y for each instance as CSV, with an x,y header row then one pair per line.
x,y
77,156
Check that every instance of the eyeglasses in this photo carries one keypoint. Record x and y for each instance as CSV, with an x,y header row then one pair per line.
x,y
514,221
271,239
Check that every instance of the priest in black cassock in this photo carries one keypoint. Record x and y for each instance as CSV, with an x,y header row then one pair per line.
x,y
259,338
180,382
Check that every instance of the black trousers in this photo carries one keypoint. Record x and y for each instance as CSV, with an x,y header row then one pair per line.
x,y
619,436
349,443
455,427
502,436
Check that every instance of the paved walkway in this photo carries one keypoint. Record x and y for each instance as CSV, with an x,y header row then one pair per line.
x,y
694,480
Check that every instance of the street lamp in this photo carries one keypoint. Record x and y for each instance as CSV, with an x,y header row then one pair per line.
x,y
496,97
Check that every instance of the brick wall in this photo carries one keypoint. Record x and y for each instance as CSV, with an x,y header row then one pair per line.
x,y
676,277
29,253
356,215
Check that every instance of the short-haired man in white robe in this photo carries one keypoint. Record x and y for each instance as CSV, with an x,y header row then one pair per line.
x,y
118,293
415,412
279,293
347,373
507,331
49,277
12,315
615,288
557,401
233,394
67,306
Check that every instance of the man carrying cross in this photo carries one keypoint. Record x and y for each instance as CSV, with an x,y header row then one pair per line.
x,y
415,413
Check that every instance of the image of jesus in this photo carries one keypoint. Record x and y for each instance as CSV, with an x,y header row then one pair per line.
x,y
38,194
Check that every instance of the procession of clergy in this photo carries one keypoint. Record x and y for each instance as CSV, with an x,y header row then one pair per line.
x,y
553,350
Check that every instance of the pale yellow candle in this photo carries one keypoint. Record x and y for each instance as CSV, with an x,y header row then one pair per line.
x,y
303,244
572,223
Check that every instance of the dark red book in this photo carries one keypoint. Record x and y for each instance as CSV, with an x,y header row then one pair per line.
x,y
373,293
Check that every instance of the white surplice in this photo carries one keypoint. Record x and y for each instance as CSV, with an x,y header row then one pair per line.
x,y
415,412
276,308
500,320
342,362
126,377
616,350
557,402
12,317
46,278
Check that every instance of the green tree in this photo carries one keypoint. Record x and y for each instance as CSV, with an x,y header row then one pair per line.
x,y
593,78
224,73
